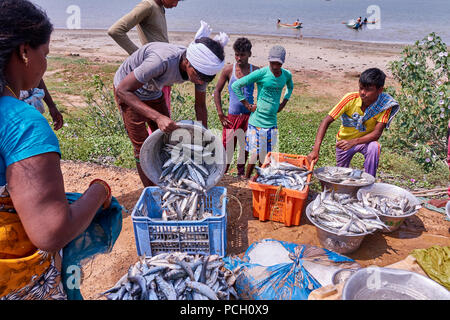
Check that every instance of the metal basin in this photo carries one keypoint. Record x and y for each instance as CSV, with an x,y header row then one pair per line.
x,y
374,283
348,188
389,190
332,241
189,132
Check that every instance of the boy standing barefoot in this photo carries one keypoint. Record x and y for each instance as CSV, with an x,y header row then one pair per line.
x,y
236,122
262,129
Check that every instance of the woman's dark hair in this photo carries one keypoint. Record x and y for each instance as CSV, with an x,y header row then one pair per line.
x,y
242,45
21,22
372,77
215,48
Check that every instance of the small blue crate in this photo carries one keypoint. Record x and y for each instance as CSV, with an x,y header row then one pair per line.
x,y
154,236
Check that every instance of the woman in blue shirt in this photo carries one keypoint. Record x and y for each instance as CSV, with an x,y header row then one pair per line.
x,y
36,219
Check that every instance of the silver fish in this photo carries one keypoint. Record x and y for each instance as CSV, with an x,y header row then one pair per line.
x,y
170,276
342,175
343,214
392,206
166,288
202,289
284,174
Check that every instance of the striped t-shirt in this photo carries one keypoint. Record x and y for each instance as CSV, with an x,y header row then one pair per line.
x,y
351,104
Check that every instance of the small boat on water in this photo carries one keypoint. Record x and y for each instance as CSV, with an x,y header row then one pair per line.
x,y
295,25
352,24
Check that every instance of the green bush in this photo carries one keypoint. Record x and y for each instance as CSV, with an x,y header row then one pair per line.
x,y
102,113
421,125
96,133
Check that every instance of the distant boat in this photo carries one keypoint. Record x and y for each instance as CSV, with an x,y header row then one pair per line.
x,y
295,25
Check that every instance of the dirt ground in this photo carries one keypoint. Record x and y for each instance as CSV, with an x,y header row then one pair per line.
x,y
425,229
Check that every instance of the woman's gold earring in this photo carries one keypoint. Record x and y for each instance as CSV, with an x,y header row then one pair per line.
x,y
25,59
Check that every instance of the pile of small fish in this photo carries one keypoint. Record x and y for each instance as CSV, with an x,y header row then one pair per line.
x,y
184,177
344,214
284,174
342,175
391,206
175,276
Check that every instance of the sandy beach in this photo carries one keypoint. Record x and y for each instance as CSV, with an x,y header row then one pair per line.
x,y
320,63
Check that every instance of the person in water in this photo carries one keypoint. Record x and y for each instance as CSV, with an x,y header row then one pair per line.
x,y
358,23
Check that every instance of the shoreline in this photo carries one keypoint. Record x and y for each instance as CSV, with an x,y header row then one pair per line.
x,y
323,57
321,67
403,44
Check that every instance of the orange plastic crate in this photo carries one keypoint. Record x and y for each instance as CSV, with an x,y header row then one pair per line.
x,y
285,205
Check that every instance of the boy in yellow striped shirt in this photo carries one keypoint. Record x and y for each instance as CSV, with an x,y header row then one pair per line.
x,y
364,115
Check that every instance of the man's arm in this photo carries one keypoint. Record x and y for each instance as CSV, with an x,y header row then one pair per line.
x,y
125,93
372,136
118,31
201,112
323,127
244,81
283,104
224,77
57,117
290,87
287,95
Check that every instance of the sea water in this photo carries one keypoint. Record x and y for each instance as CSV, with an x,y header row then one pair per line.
x,y
399,21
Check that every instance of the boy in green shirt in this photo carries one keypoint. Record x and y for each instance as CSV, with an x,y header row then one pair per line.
x,y
262,130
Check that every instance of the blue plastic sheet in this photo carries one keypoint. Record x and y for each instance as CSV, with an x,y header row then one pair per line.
x,y
98,238
284,281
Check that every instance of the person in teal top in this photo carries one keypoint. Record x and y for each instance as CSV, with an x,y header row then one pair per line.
x,y
262,130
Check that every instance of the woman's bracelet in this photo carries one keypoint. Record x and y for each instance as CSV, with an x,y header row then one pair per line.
x,y
104,184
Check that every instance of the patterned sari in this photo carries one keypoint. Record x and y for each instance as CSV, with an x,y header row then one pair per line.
x,y
26,273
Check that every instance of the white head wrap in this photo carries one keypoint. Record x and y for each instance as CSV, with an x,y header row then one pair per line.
x,y
199,55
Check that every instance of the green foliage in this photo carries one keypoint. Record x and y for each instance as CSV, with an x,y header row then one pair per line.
x,y
297,133
97,134
421,125
182,105
102,113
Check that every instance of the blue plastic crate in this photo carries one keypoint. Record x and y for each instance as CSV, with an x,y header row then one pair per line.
x,y
154,236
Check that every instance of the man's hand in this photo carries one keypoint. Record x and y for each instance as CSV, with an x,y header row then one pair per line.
x,y
313,156
57,118
282,105
250,107
224,120
346,144
166,125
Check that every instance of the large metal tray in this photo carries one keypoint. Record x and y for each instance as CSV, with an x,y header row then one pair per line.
x,y
349,188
